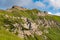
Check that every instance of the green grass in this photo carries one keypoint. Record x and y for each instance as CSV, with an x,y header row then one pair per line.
x,y
54,34
56,18
5,35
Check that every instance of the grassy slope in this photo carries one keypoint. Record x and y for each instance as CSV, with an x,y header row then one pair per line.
x,y
54,33
5,35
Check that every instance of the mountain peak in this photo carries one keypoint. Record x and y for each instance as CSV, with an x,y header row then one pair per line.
x,y
18,7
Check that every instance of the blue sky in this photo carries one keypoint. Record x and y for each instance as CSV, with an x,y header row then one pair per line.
x,y
52,6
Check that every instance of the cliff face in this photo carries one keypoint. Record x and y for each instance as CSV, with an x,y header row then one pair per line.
x,y
31,24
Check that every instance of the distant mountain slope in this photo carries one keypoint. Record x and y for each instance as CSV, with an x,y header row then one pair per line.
x,y
30,24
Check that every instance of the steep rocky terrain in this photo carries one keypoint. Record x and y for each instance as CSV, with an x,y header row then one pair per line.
x,y
30,24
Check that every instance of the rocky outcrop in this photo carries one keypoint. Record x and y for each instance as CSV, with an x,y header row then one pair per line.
x,y
19,8
16,7
42,13
29,27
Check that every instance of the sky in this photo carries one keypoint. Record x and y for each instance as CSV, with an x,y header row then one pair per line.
x,y
52,6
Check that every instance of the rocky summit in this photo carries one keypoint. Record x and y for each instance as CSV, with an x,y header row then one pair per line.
x,y
29,24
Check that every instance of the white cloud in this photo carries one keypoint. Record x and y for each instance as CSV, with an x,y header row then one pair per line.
x,y
28,3
55,3
39,4
57,14
22,2
49,13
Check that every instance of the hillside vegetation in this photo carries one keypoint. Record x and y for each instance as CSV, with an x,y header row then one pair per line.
x,y
19,23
